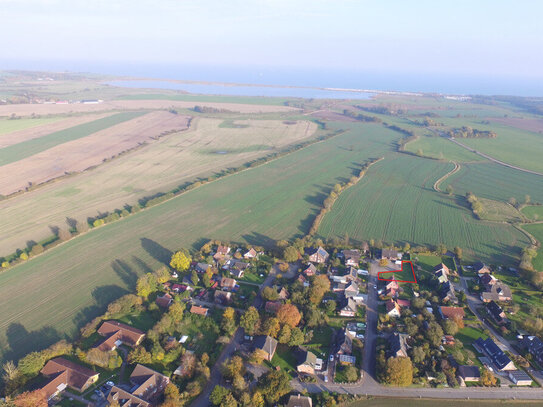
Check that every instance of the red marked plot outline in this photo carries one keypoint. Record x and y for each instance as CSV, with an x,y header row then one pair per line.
x,y
399,271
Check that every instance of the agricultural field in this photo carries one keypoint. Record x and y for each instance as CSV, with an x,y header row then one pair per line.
x,y
537,231
493,181
499,211
395,203
158,167
53,294
512,145
88,149
12,125
442,149
533,212
24,149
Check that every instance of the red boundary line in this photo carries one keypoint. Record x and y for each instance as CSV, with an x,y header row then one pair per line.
x,y
398,271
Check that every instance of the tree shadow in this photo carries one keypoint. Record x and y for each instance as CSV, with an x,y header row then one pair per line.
x,y
30,244
197,244
125,272
72,223
142,265
155,250
21,341
258,239
54,229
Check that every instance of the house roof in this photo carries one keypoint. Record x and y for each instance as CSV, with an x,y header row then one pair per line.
x,y
350,305
351,255
265,343
228,282
125,398
481,268
495,310
390,253
64,371
465,371
497,291
441,267
310,251
310,269
203,266
452,312
299,401
195,309
239,265
488,279
391,305
164,301
222,250
250,253
115,330
398,343
307,358
496,354
519,375
222,296
272,306
403,303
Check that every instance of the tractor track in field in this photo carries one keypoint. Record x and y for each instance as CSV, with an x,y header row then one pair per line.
x,y
447,175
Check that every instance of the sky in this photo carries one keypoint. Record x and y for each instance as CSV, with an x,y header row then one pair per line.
x,y
475,37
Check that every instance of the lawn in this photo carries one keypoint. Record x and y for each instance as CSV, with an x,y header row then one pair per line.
x,y
284,358
9,125
49,297
320,344
537,231
534,212
16,152
395,203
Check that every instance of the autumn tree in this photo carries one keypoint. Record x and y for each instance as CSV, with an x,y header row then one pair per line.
x,y
289,314
271,327
35,398
233,367
296,337
290,254
250,321
228,323
269,294
321,284
162,275
146,285
487,379
458,252
399,371
139,355
218,394
180,261
383,262
284,334
11,376
275,385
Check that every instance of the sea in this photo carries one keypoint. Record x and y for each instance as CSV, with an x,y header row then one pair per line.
x,y
299,82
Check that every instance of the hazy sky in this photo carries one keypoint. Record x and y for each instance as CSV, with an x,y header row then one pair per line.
x,y
490,37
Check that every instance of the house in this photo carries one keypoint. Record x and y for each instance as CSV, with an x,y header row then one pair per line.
x,y
448,293
441,267
310,270
351,257
468,373
347,359
481,268
349,310
222,297
534,345
365,247
339,287
117,333
179,288
344,342
300,401
228,283
147,387
221,253
237,268
266,344
403,303
398,344
487,280
500,359
351,274
307,362
64,373
195,309
441,277
520,378
453,313
282,294
303,280
318,255
251,254
272,307
202,267
448,340
497,292
496,312
165,301
351,290
393,308
392,288
391,254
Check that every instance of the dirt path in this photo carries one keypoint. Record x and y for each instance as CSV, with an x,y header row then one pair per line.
x,y
447,175
493,159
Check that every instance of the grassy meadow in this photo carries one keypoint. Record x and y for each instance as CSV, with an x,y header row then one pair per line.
x,y
533,212
11,125
395,203
442,149
536,230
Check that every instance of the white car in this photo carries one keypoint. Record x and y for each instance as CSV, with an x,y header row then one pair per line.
x,y
331,358
360,336
110,384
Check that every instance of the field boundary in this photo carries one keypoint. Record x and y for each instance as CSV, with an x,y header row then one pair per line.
x,y
447,175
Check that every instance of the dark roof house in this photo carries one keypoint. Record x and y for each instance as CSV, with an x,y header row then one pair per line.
x,y
398,344
266,344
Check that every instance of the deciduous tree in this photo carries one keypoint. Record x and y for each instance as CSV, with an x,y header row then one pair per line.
x,y
250,321
180,261
289,314
399,371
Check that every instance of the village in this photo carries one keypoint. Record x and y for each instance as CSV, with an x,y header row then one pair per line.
x,y
241,325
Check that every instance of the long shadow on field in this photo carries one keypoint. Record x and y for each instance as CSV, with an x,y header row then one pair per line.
x,y
197,244
318,198
125,272
258,239
157,251
144,267
22,341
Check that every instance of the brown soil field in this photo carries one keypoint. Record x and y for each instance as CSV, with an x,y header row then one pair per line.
x,y
78,155
43,130
530,124
200,151
46,109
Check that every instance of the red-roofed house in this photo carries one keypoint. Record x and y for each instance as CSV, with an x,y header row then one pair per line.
x,y
452,312
195,309
165,301
64,373
117,333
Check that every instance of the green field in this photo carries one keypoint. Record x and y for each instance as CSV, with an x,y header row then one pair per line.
x,y
494,181
537,231
52,295
16,152
246,100
10,125
441,148
533,212
499,211
395,203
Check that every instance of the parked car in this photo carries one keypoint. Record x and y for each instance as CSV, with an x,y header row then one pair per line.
x,y
331,358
